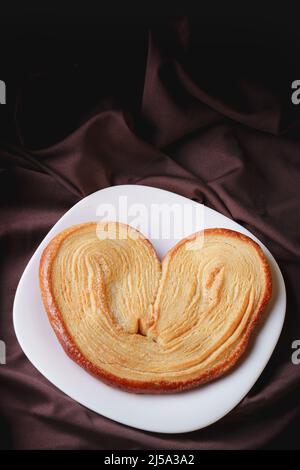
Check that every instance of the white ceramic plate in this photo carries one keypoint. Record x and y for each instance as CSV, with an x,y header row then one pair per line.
x,y
177,413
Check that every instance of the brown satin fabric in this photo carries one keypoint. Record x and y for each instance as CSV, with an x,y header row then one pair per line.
x,y
198,122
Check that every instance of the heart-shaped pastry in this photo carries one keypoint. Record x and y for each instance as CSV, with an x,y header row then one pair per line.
x,y
148,326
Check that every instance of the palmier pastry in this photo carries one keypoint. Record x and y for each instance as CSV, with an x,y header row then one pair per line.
x,y
150,326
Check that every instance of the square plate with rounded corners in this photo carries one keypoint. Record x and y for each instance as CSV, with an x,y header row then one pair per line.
x,y
177,413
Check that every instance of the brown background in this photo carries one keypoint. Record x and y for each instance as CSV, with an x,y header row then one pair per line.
x,y
196,105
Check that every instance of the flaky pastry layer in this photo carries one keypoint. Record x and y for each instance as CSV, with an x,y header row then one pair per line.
x,y
148,326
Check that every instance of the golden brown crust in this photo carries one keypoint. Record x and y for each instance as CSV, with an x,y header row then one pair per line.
x,y
159,386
